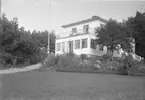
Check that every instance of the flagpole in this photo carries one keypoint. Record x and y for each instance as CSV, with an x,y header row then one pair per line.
x,y
1,16
0,7
1,29
49,32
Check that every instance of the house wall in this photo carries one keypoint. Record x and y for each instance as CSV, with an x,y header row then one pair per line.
x,y
87,50
89,36
92,25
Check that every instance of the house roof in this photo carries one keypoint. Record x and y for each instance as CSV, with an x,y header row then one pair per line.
x,y
85,21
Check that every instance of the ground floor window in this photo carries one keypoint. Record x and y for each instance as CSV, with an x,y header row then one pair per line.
x,y
63,46
84,43
77,44
58,47
93,45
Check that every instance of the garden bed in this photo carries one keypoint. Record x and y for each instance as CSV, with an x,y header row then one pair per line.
x,y
73,63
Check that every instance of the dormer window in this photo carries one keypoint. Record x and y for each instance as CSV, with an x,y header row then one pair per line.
x,y
74,30
86,28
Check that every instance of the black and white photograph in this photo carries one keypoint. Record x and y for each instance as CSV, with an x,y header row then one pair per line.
x,y
72,49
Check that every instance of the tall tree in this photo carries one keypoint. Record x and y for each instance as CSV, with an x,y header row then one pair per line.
x,y
137,24
17,45
114,34
41,39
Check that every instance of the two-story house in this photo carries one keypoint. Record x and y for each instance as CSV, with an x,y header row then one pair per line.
x,y
79,38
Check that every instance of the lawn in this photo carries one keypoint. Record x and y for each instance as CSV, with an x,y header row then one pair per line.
x,y
36,85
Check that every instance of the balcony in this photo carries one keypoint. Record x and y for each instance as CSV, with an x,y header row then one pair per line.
x,y
79,32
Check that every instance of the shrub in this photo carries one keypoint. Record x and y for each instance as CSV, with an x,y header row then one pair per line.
x,y
127,65
2,62
140,70
70,54
83,57
106,57
69,63
121,70
51,60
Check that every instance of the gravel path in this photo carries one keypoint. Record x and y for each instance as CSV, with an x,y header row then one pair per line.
x,y
15,70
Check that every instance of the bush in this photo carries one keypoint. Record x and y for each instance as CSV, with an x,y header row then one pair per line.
x,y
83,57
69,63
70,54
51,60
106,57
127,66
141,70
121,70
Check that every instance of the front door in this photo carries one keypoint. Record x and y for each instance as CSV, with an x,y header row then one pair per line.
x,y
70,46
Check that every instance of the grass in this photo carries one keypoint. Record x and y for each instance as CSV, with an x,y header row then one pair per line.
x,y
36,85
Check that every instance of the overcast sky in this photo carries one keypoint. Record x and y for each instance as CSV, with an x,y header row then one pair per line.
x,y
43,15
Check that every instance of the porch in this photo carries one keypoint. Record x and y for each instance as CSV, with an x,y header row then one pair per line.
x,y
80,44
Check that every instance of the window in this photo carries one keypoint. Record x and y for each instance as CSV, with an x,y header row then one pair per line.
x,y
85,28
77,44
58,46
93,45
84,43
101,47
63,46
74,30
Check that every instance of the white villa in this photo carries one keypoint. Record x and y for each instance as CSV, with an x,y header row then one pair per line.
x,y
79,38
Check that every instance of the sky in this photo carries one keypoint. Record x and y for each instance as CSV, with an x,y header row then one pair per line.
x,y
52,14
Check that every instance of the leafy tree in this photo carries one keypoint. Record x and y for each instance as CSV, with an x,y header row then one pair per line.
x,y
113,35
18,45
137,24
41,39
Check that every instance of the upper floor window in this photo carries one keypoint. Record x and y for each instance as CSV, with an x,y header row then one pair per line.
x,y
93,45
86,28
101,47
74,30
77,44
84,43
58,47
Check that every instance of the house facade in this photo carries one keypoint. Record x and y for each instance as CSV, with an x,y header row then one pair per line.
x,y
79,38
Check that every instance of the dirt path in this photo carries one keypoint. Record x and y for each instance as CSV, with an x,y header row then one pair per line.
x,y
15,70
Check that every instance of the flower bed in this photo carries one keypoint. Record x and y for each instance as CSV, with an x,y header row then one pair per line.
x,y
73,63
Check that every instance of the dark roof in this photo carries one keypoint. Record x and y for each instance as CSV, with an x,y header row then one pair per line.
x,y
85,21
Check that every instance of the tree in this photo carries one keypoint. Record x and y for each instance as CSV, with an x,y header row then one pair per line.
x,y
113,35
19,47
41,39
137,24
17,44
